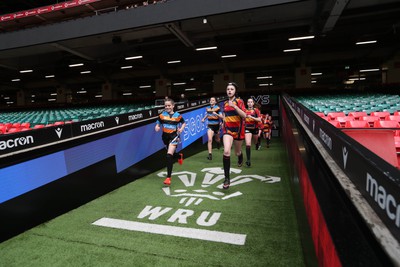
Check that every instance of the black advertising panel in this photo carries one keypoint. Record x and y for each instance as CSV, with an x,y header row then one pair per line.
x,y
10,143
21,141
377,180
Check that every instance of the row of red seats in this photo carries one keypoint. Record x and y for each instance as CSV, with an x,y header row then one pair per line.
x,y
8,128
365,122
377,120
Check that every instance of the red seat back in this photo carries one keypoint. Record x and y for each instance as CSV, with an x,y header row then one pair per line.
x,y
356,124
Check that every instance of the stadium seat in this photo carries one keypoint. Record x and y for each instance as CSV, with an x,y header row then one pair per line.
x,y
393,118
13,130
356,124
334,115
26,125
357,114
342,120
381,114
3,129
38,126
370,119
386,124
321,114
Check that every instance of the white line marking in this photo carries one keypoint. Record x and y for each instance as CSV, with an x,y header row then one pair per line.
x,y
215,236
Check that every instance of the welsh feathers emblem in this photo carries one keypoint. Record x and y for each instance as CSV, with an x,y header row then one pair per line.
x,y
211,185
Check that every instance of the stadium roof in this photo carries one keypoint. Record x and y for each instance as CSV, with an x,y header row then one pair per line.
x,y
247,40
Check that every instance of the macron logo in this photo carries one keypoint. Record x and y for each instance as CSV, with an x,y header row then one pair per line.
x,y
345,154
59,132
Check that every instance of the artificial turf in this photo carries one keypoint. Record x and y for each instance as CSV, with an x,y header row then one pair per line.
x,y
259,207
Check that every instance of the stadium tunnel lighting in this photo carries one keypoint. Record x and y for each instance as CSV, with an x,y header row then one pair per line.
x,y
366,42
292,50
25,71
75,65
302,38
369,70
206,48
134,57
228,56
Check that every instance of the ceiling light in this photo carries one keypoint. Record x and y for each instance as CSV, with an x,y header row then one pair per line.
x,y
51,99
226,56
98,96
81,92
16,80
174,62
264,77
25,71
265,84
49,76
134,57
33,95
357,79
126,67
75,65
366,42
204,21
314,81
190,89
206,48
144,86
179,83
369,70
292,50
301,38
127,94
6,98
85,72
316,73
53,94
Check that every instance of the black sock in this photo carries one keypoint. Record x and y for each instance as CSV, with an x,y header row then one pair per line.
x,y
248,153
240,158
227,165
169,165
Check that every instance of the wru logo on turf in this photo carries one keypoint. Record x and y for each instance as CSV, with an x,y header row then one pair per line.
x,y
211,186
212,180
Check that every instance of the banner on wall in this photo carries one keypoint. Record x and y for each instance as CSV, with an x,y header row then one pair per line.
x,y
45,9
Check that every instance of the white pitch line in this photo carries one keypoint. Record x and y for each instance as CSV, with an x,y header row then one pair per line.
x,y
215,236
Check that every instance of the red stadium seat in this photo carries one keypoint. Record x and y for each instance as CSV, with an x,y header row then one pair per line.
x,y
13,130
393,118
3,129
321,114
356,124
37,126
370,119
343,120
16,125
381,114
59,123
334,115
357,114
386,124
396,113
26,125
